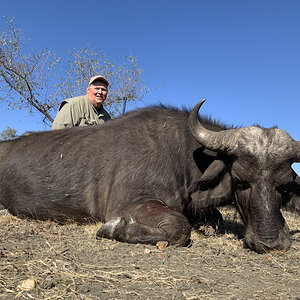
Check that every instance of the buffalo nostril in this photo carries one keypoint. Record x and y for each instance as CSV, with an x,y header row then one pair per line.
x,y
263,246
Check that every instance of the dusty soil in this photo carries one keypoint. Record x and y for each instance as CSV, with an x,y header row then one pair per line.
x,y
67,262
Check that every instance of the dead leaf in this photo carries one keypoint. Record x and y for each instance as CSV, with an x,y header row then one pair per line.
x,y
162,245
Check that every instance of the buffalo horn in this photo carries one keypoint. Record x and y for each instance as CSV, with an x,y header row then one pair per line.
x,y
222,141
298,156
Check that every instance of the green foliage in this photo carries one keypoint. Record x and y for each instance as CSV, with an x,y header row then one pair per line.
x,y
40,80
8,134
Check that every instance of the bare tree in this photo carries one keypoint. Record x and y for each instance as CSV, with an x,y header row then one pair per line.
x,y
125,79
24,76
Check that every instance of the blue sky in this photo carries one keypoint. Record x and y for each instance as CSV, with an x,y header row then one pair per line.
x,y
242,56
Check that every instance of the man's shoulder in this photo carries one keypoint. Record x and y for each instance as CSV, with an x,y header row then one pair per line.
x,y
74,102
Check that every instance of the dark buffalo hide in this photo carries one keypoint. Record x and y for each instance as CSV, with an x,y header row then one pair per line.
x,y
151,175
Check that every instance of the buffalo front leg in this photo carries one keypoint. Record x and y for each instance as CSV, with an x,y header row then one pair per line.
x,y
148,222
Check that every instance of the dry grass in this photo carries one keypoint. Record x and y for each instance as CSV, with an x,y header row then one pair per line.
x,y
67,262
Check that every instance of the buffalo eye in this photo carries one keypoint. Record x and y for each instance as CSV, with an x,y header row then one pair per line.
x,y
284,190
240,184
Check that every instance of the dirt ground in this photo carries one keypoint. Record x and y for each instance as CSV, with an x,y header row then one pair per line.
x,y
67,262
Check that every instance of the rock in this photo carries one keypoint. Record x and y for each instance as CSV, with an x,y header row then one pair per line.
x,y
27,285
147,251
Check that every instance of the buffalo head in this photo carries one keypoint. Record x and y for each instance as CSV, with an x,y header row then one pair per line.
x,y
262,179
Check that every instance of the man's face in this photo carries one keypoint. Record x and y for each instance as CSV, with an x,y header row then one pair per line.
x,y
97,93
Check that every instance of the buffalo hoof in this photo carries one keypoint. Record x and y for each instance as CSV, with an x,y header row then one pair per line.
x,y
108,229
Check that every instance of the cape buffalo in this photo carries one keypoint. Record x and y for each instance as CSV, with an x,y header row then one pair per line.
x,y
149,174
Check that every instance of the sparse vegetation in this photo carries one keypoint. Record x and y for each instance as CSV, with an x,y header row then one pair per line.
x,y
67,262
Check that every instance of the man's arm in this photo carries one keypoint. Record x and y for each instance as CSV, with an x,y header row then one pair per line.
x,y
64,118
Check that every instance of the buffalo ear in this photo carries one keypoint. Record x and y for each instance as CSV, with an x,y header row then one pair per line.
x,y
212,175
294,203
215,195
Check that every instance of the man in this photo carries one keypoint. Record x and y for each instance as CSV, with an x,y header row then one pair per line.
x,y
84,110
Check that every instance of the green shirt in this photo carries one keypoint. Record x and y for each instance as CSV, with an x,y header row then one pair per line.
x,y
79,111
